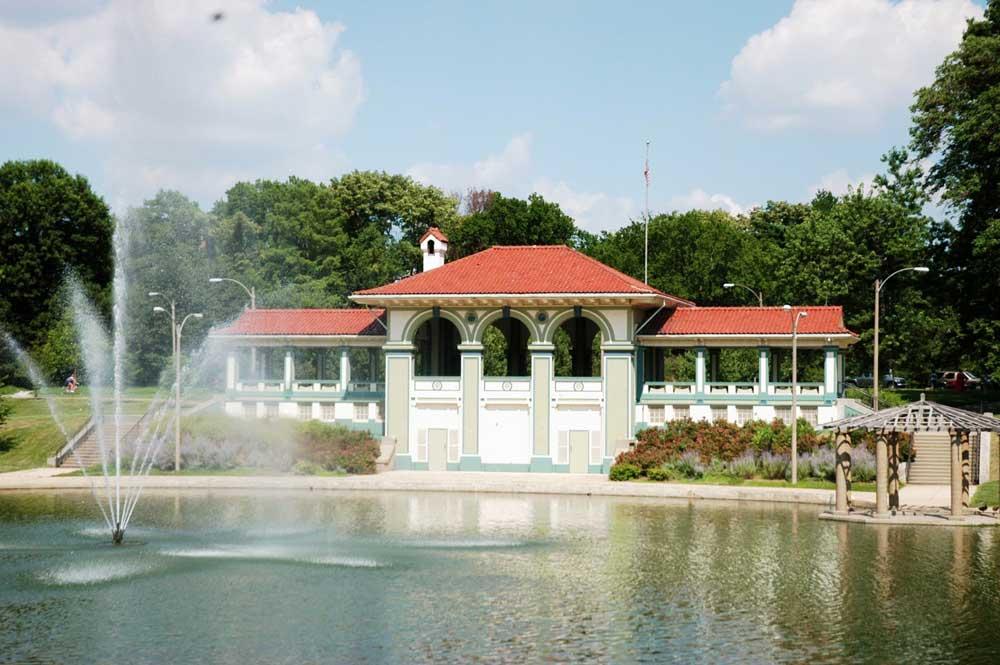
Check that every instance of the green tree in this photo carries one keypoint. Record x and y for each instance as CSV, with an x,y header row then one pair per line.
x,y
506,220
51,224
957,120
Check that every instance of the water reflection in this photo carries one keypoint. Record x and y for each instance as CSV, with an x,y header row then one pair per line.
x,y
301,577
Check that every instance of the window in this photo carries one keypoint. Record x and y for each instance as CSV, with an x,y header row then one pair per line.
x,y
744,414
657,415
784,414
682,412
249,409
305,411
720,414
811,416
361,412
271,410
328,412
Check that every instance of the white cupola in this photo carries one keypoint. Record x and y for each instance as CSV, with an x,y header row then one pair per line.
x,y
434,246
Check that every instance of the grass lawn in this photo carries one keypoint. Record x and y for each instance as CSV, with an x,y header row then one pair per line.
x,y
988,494
807,483
973,400
30,435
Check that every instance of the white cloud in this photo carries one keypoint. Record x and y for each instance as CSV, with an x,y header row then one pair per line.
x,y
699,199
593,211
839,181
842,64
499,172
172,98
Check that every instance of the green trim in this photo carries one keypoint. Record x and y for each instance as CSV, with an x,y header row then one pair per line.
x,y
403,463
542,465
469,463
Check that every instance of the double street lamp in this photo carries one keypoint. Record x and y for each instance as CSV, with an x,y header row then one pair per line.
x,y
758,294
879,283
799,315
250,290
175,337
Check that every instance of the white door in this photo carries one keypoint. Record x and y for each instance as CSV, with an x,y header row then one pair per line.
x,y
437,449
505,434
579,451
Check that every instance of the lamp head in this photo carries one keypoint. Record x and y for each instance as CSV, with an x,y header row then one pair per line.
x,y
803,314
728,285
787,308
214,280
159,309
153,294
197,316
921,269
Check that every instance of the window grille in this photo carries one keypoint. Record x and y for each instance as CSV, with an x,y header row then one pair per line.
x,y
682,412
271,410
361,412
305,411
328,412
657,415
720,414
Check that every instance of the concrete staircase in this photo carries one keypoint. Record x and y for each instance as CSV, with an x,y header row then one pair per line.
x,y
87,452
932,459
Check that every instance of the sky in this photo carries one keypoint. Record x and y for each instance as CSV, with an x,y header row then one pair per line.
x,y
741,102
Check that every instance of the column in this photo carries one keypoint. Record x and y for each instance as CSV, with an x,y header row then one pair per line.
x,y
842,471
541,405
830,370
472,374
289,369
232,371
640,369
345,368
398,376
713,365
699,370
956,475
616,358
966,468
763,360
881,475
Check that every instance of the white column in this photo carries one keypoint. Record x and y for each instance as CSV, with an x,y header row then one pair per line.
x,y
345,368
830,370
232,376
763,370
289,369
699,369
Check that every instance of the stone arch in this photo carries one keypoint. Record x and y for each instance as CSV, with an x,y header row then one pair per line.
x,y
413,325
488,319
603,325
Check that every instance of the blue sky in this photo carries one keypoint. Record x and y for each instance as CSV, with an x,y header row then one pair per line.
x,y
743,101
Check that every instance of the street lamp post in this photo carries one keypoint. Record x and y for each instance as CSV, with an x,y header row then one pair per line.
x,y
252,292
876,380
175,335
758,294
795,391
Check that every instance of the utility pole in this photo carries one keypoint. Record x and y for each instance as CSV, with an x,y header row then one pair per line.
x,y
645,262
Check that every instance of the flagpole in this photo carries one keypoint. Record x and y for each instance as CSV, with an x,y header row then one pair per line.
x,y
645,265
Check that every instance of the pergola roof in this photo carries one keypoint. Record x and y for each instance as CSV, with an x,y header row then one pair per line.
x,y
920,416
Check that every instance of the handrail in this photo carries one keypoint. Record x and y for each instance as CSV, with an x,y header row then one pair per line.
x,y
74,441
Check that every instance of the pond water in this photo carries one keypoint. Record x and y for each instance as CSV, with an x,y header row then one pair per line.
x,y
366,578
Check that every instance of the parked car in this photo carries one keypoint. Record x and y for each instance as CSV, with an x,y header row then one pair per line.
x,y
861,381
956,380
890,380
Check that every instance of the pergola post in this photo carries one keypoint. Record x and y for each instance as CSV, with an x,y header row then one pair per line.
x,y
894,471
966,467
881,475
956,474
842,470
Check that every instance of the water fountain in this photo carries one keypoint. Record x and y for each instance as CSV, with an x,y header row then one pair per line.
x,y
116,502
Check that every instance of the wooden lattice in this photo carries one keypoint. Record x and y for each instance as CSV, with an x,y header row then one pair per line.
x,y
921,416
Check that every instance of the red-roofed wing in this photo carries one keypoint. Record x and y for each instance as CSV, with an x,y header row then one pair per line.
x,y
435,232
747,321
306,322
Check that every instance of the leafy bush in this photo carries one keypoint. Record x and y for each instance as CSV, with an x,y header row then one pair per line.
x,y
862,466
820,464
661,473
744,466
689,465
624,471
334,447
306,468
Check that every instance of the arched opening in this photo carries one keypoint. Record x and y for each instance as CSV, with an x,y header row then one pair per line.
x,y
505,348
430,246
436,353
577,348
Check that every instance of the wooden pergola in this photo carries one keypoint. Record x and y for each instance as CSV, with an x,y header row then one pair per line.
x,y
887,426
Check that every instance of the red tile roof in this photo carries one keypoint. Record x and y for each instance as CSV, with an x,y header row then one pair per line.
x,y
520,269
306,322
746,321
433,231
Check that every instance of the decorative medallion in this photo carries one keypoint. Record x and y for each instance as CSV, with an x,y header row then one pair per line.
x,y
578,386
471,317
506,385
542,317
436,385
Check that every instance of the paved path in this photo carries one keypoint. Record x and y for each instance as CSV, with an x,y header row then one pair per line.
x,y
451,481
926,495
